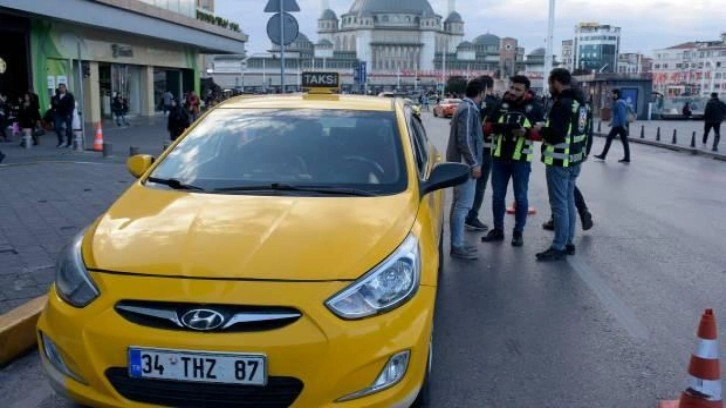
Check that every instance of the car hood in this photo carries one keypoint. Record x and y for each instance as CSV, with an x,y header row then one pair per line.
x,y
172,233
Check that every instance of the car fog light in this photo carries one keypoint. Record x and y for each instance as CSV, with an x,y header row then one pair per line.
x,y
391,374
56,359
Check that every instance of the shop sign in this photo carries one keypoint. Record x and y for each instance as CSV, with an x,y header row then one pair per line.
x,y
51,82
62,79
122,51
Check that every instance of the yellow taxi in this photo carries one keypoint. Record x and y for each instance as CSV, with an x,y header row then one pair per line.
x,y
283,252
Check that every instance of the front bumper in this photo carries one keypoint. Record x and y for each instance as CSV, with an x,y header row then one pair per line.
x,y
330,357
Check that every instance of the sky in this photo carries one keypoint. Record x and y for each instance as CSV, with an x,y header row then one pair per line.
x,y
647,25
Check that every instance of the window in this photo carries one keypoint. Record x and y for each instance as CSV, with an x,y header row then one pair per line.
x,y
246,147
418,139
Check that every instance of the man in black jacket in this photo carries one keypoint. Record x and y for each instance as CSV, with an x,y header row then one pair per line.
x,y
564,140
64,104
580,204
714,115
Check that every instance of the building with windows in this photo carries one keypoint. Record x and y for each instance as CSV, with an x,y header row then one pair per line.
x,y
633,63
99,48
404,45
206,6
567,57
596,48
695,68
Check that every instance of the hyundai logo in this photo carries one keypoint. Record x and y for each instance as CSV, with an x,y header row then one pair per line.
x,y
202,319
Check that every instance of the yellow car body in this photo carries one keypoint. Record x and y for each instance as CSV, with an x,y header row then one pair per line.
x,y
272,252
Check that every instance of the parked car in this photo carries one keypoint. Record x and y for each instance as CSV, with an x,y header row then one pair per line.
x,y
446,108
284,251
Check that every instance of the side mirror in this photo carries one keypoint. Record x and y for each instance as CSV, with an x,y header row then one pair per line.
x,y
138,165
446,175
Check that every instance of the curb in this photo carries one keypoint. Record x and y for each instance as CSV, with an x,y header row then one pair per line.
x,y
17,329
672,147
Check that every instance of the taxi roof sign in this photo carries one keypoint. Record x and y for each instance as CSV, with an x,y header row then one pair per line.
x,y
321,82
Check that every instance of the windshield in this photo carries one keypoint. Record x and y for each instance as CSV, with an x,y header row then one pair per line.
x,y
234,149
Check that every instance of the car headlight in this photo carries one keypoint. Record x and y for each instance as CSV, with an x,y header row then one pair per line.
x,y
387,286
72,281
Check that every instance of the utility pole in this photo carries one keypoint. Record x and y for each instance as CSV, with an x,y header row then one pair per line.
x,y
550,41
282,48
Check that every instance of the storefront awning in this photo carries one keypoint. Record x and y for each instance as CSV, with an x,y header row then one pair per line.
x,y
103,16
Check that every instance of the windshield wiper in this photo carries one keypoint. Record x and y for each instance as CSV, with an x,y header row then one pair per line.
x,y
174,183
330,190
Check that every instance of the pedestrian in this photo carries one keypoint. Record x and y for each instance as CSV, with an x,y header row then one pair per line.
x,y
563,150
119,108
64,103
489,106
3,118
466,145
713,116
166,99
619,126
178,120
585,216
687,112
194,105
512,152
27,120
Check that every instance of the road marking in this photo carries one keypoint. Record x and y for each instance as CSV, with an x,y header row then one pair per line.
x,y
623,314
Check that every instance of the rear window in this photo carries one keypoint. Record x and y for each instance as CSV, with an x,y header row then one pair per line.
x,y
327,148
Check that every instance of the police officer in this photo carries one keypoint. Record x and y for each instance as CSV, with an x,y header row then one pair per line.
x,y
563,150
512,152
585,215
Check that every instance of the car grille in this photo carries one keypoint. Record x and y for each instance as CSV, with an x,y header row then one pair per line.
x,y
279,392
169,315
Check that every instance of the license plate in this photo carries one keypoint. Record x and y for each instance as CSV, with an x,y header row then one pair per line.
x,y
194,366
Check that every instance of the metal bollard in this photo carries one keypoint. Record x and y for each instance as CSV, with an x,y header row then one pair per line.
x,y
134,150
642,131
27,140
657,135
107,149
77,140
599,127
675,140
693,140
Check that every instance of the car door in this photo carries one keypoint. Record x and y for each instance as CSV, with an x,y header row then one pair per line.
x,y
426,156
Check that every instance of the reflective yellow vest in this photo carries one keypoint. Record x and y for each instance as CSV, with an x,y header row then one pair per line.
x,y
523,149
572,150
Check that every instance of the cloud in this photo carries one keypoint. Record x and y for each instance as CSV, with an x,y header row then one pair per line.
x,y
646,24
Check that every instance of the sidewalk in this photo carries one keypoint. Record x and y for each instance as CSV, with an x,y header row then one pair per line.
x,y
684,134
147,134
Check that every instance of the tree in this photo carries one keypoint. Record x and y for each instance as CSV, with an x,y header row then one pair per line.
x,y
456,85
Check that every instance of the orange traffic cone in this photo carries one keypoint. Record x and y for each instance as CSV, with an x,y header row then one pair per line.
x,y
98,142
704,372
513,209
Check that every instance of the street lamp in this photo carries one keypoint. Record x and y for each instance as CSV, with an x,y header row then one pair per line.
x,y
550,40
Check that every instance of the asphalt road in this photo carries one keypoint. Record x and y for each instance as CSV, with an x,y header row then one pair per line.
x,y
613,326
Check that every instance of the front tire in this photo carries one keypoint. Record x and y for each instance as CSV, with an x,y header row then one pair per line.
x,y
423,399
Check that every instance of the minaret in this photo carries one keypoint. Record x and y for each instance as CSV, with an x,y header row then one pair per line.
x,y
324,5
451,7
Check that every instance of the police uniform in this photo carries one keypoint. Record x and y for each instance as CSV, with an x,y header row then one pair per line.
x,y
489,107
564,139
511,159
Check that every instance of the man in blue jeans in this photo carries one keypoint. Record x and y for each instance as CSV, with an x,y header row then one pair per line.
x,y
563,150
465,145
512,152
